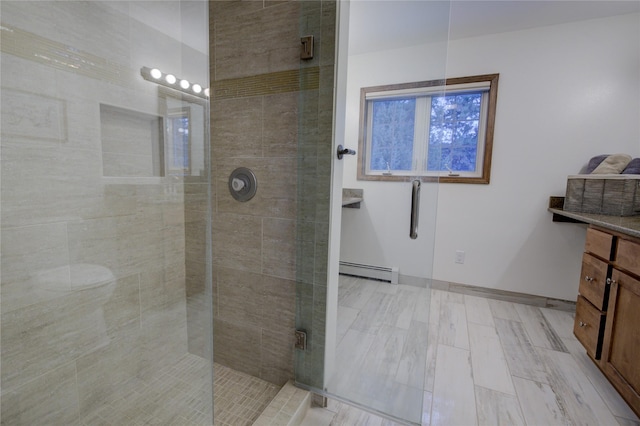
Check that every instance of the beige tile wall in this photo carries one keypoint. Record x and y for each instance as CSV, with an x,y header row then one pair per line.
x,y
93,297
270,112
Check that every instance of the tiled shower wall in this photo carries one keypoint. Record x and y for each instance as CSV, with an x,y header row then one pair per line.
x,y
93,259
271,112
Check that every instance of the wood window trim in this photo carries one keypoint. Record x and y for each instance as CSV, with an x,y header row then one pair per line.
x,y
484,178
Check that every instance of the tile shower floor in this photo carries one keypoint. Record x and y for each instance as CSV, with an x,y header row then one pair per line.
x,y
178,397
488,362
239,398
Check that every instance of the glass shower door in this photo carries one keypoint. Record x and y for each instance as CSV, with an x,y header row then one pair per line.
x,y
376,304
106,291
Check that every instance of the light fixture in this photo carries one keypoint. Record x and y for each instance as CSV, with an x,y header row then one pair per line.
x,y
169,80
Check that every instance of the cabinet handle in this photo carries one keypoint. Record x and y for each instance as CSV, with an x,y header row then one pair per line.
x,y
610,281
582,324
588,279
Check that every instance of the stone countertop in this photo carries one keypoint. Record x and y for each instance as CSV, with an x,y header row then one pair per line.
x,y
350,200
352,197
629,225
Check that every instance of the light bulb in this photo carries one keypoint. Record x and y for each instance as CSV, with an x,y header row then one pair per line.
x,y
206,92
197,88
155,73
171,79
184,84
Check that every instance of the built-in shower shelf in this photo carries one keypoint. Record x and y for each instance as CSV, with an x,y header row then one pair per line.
x,y
351,198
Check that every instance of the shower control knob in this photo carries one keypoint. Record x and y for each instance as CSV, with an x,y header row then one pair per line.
x,y
237,184
242,184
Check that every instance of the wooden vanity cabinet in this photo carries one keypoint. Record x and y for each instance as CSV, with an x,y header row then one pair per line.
x,y
620,359
593,298
607,321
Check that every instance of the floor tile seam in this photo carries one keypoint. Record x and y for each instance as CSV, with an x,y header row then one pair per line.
x,y
471,321
362,331
530,379
434,359
521,403
601,392
594,388
549,326
498,391
533,346
515,396
504,356
465,321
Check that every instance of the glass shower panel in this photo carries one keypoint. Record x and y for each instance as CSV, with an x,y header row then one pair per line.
x,y
314,154
382,359
106,287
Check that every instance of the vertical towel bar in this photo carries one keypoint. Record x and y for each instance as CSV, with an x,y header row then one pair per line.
x,y
415,209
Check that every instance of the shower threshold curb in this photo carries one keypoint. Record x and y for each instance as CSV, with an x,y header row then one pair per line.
x,y
288,408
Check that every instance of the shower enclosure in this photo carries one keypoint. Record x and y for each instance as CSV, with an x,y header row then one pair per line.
x,y
124,259
106,294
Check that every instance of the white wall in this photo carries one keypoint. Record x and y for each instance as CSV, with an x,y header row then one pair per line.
x,y
566,93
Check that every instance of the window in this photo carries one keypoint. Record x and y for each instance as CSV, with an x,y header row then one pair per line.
x,y
178,146
435,130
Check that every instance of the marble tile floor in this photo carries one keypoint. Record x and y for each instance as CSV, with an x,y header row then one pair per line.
x,y
382,346
484,361
179,396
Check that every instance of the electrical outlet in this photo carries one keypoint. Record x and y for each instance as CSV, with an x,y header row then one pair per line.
x,y
459,256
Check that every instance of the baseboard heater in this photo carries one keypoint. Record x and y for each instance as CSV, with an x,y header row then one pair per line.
x,y
380,273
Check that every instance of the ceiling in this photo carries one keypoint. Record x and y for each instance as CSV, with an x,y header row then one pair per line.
x,y
387,24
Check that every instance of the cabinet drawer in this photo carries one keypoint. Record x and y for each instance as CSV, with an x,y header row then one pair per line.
x,y
599,243
593,281
628,256
589,327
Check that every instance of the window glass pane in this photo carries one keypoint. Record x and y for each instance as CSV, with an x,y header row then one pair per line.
x,y
392,134
468,106
453,132
180,142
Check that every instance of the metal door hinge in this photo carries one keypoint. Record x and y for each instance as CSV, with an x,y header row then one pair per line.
x,y
306,51
301,339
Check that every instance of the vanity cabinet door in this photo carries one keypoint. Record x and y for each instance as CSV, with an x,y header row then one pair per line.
x,y
621,351
628,256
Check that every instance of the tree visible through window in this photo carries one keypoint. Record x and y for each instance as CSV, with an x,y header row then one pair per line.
x,y
392,134
433,130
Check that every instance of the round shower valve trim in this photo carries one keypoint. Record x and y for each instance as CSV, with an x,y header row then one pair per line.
x,y
242,184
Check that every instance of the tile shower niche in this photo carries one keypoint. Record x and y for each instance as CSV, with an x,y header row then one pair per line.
x,y
132,143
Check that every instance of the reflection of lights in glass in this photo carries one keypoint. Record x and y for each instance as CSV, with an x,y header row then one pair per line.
x,y
170,80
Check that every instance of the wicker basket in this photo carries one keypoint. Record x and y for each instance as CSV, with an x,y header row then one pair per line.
x,y
613,195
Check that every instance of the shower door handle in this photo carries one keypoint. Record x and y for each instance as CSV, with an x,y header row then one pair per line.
x,y
342,151
415,209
